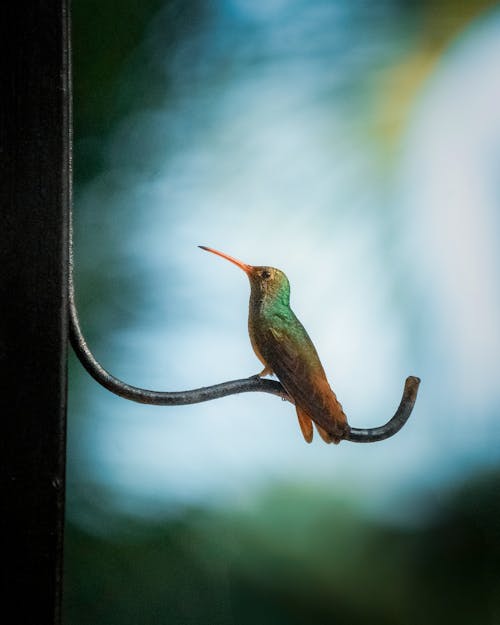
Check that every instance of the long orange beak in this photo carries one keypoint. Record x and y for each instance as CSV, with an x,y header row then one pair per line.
x,y
246,268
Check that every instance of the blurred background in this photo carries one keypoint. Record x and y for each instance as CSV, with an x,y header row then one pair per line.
x,y
356,146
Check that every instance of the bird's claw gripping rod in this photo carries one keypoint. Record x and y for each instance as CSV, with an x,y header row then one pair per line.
x,y
206,393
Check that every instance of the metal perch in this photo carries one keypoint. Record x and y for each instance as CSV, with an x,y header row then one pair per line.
x,y
206,393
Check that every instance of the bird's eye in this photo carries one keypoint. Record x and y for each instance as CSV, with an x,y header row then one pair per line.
x,y
266,274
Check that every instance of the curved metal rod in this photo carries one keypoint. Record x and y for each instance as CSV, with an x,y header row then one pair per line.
x,y
372,435
245,385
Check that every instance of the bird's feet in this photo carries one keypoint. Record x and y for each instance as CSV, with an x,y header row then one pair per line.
x,y
266,371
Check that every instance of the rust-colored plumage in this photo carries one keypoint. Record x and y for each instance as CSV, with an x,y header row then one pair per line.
x,y
283,346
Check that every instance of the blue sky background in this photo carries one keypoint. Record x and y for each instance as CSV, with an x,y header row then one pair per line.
x,y
333,141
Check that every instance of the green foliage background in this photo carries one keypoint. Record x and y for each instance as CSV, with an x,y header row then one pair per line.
x,y
296,557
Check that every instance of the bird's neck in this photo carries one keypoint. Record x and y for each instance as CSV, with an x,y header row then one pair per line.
x,y
271,303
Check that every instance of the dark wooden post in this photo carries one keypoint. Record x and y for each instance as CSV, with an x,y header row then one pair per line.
x,y
34,181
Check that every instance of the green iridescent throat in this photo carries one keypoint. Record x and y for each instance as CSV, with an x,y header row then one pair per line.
x,y
270,298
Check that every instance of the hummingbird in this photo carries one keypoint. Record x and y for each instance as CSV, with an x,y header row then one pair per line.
x,y
283,346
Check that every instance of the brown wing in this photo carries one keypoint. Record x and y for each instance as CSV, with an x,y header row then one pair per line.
x,y
293,357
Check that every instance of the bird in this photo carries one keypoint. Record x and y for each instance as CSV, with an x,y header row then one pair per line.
x,y
283,346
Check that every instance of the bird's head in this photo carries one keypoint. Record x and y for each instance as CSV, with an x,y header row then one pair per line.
x,y
265,282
